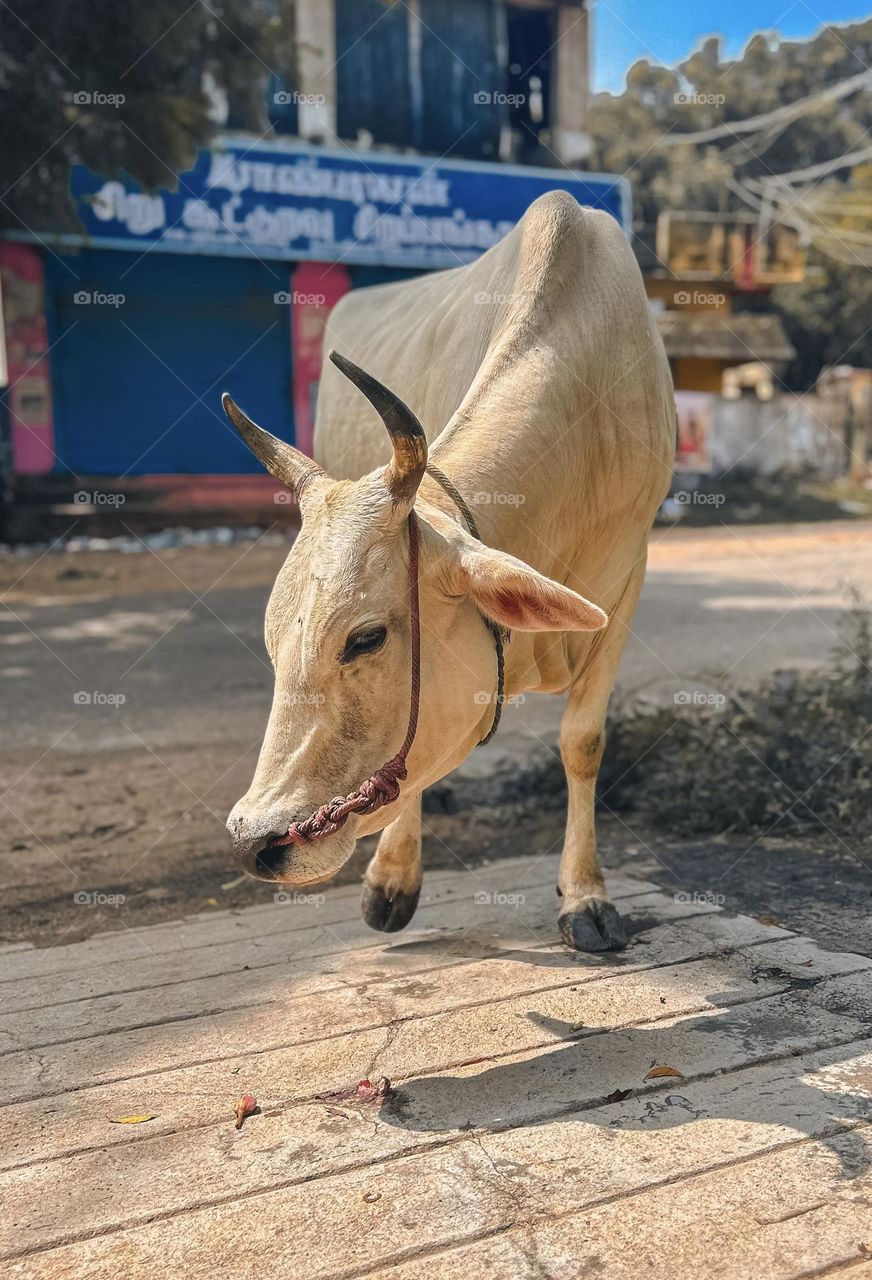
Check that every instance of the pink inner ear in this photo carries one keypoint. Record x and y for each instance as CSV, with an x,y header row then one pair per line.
x,y
514,609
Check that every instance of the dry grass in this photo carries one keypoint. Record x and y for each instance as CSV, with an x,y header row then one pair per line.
x,y
791,755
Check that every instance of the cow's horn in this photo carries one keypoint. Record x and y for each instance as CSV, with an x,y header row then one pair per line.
x,y
406,469
281,460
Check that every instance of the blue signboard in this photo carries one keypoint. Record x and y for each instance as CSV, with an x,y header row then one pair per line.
x,y
292,201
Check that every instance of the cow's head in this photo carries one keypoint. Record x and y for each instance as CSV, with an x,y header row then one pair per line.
x,y
338,632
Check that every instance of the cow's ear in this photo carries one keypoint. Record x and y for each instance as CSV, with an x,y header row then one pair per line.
x,y
516,596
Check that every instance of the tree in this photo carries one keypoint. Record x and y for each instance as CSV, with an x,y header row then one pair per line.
x,y
121,88
826,317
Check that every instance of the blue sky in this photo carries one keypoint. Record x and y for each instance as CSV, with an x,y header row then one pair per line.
x,y
667,30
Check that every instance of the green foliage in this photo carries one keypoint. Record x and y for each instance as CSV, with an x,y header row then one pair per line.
x,y
791,756
825,316
827,320
171,60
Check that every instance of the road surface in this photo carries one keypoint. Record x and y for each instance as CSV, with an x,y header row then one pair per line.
x,y
136,689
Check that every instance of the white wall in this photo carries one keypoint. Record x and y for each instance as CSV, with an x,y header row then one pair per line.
x,y
789,433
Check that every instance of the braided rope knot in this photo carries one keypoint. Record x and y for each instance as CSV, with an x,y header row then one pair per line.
x,y
383,787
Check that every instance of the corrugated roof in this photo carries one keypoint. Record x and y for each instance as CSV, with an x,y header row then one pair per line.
x,y
720,335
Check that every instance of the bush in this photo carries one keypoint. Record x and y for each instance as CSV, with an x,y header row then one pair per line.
x,y
791,755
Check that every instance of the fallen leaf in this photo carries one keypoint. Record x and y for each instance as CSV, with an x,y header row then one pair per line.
x,y
658,1072
245,1107
770,920
618,1095
363,1091
148,1115
369,1092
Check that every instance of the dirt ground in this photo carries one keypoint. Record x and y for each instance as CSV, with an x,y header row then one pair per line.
x,y
114,813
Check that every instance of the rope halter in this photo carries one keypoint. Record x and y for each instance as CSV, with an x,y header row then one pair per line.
x,y
383,786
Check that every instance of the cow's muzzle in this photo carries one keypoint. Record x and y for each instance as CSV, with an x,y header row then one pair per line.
x,y
254,836
252,842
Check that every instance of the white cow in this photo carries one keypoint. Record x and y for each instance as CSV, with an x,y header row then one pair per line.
x,y
546,396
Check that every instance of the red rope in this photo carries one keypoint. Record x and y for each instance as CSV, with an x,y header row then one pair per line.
x,y
383,787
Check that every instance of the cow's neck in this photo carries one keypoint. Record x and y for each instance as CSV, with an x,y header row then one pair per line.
x,y
533,662
474,474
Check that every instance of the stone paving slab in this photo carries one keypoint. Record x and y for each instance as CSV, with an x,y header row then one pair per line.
x,y
287,917
526,1135
254,970
195,1095
143,958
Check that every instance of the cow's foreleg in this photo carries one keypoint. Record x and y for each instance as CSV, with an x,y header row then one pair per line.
x,y
588,921
393,878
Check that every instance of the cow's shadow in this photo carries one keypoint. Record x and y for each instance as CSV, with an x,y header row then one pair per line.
x,y
594,1076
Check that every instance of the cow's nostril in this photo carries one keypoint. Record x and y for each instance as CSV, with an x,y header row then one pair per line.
x,y
270,859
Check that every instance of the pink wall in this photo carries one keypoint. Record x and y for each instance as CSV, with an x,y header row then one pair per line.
x,y
316,287
26,333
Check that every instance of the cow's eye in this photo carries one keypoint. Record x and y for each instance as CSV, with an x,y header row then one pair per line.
x,y
367,640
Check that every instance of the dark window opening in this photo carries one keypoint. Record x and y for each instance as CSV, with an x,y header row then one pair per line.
x,y
532,35
281,107
372,72
462,84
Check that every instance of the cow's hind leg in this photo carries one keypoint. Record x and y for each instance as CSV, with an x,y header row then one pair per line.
x,y
392,882
588,921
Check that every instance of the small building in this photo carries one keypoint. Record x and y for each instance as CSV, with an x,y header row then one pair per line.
x,y
703,345
412,137
707,277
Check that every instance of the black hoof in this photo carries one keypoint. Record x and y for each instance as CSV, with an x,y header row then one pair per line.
x,y
597,928
388,915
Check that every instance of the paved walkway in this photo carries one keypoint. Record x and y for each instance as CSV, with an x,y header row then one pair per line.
x,y
528,1135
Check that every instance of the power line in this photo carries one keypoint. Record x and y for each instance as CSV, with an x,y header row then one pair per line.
x,y
847,160
787,113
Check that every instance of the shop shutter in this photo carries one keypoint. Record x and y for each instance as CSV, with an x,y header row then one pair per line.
x,y
126,379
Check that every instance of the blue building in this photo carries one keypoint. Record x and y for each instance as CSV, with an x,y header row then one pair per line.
x,y
413,138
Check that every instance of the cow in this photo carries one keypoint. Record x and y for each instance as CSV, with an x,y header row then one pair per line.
x,y
547,401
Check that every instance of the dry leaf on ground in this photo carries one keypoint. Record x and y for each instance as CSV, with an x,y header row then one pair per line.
x,y
657,1072
245,1107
